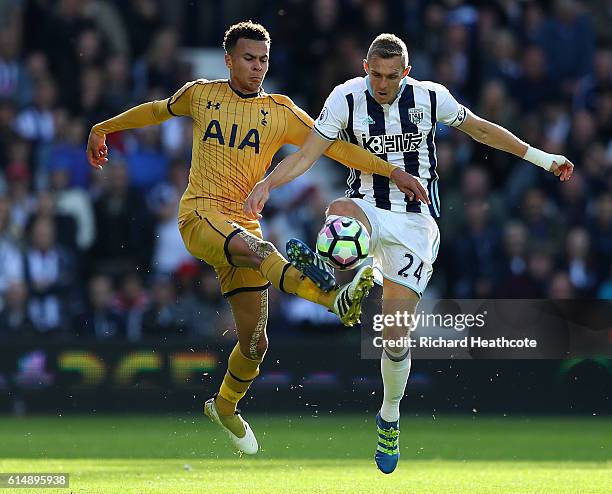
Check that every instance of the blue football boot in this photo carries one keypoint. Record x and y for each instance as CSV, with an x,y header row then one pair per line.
x,y
310,264
387,450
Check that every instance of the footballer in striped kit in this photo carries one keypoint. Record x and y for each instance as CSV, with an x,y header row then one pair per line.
x,y
395,117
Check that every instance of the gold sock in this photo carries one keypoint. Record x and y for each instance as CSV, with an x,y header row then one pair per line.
x,y
288,279
241,371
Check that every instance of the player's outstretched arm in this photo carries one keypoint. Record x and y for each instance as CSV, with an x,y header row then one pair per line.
x,y
356,157
498,137
289,168
348,154
151,113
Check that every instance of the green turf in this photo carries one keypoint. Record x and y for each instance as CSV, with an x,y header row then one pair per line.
x,y
325,454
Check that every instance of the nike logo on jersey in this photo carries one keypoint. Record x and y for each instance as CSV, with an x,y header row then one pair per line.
x,y
393,143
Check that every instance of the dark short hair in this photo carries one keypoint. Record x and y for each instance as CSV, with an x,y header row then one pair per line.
x,y
388,46
246,30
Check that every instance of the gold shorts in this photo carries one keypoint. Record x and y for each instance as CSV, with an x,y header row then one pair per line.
x,y
206,235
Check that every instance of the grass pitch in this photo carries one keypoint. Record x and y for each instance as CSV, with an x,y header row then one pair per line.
x,y
324,454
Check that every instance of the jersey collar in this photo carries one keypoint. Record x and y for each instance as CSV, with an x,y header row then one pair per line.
x,y
245,95
399,93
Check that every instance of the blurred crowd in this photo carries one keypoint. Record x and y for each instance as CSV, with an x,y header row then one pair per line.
x,y
98,254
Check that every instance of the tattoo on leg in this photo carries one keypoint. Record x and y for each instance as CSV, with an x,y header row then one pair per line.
x,y
260,327
260,247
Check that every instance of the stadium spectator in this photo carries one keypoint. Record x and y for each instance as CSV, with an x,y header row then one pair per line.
x,y
144,18
64,225
117,88
74,202
605,289
574,200
567,39
67,154
11,261
147,163
533,86
601,234
542,221
7,134
18,186
594,84
514,280
162,319
15,322
580,266
169,252
14,78
502,54
205,311
36,122
49,273
123,229
479,243
100,320
540,268
560,287
131,301
161,67
91,102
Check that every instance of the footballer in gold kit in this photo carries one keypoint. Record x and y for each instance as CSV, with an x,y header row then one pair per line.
x,y
237,129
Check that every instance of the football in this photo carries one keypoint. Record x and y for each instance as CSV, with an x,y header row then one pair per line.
x,y
343,243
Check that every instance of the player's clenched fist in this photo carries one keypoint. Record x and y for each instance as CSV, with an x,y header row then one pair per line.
x,y
97,151
563,171
257,200
409,185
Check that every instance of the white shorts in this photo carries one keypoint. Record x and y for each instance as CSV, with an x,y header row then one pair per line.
x,y
404,246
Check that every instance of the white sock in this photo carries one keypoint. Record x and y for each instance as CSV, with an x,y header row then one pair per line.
x,y
395,376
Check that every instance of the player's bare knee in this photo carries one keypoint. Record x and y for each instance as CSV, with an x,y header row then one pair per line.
x,y
347,207
342,207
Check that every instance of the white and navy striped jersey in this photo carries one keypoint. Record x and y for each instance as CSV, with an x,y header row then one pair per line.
x,y
403,133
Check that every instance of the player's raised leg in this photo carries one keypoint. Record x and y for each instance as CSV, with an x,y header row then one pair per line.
x,y
245,249
250,309
348,298
301,256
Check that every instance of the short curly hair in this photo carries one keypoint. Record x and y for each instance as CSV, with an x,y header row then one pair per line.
x,y
246,30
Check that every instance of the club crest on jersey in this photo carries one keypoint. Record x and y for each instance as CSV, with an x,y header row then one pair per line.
x,y
415,115
264,113
393,143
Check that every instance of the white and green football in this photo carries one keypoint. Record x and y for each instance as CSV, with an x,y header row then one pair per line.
x,y
343,243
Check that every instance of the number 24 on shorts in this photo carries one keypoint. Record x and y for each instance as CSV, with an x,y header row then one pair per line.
x,y
417,272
